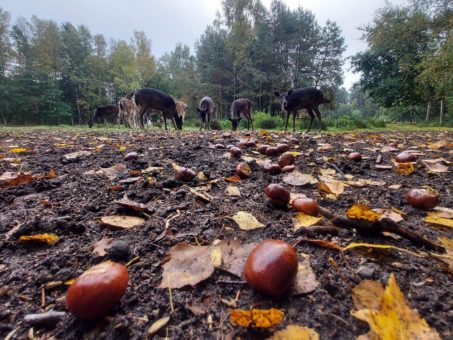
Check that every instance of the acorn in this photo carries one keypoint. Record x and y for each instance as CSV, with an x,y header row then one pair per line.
x,y
272,151
243,170
262,149
277,194
306,205
97,290
272,169
355,156
271,267
185,174
282,147
235,152
422,199
286,159
405,157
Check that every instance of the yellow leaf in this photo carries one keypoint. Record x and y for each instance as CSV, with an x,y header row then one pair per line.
x,y
256,318
405,168
18,150
435,217
121,148
378,246
393,318
438,145
295,332
302,220
362,212
246,221
201,176
232,191
448,258
367,294
331,187
40,238
216,256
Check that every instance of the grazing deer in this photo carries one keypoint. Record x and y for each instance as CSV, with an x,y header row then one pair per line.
x,y
308,98
128,111
102,113
148,99
205,111
241,107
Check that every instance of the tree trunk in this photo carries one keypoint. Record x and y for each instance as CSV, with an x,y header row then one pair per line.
x,y
428,111
77,103
442,113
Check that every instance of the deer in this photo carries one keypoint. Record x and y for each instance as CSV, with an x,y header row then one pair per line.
x,y
205,110
241,107
308,98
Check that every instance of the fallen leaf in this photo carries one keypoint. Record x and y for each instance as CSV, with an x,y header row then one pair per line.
x,y
392,214
405,168
201,193
122,221
127,203
157,325
448,258
19,150
234,256
232,190
443,212
215,254
383,167
40,238
362,212
367,294
325,244
438,145
201,176
188,265
297,178
331,186
305,281
295,332
302,220
378,246
76,155
435,217
435,165
395,186
256,318
233,179
112,172
12,179
393,318
102,245
246,221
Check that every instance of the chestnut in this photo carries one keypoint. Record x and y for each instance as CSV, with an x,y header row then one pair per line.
x,y
250,143
262,149
294,141
184,174
272,151
271,267
97,290
404,157
131,156
355,156
242,145
219,146
243,170
422,199
277,194
272,169
306,205
286,159
289,168
282,147
235,152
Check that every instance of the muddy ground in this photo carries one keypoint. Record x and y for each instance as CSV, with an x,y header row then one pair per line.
x,y
71,204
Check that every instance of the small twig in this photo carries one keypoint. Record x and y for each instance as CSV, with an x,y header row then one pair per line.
x,y
167,225
337,169
339,318
230,282
49,318
170,296
133,261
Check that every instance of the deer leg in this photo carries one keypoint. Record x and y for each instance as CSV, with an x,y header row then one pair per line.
x,y
286,122
318,115
294,121
312,117
251,121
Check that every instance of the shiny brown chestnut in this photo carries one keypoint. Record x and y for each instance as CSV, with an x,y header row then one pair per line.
x,y
286,159
271,267
250,143
272,169
289,168
243,170
272,151
185,174
131,156
422,199
355,156
219,146
405,157
277,194
306,205
262,149
235,152
282,147
97,290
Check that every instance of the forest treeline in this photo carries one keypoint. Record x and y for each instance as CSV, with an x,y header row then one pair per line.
x,y
58,73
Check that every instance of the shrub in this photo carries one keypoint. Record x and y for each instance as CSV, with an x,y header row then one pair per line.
x,y
216,125
262,120
377,122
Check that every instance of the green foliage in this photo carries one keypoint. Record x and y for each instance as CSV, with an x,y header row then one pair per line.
x,y
216,125
265,121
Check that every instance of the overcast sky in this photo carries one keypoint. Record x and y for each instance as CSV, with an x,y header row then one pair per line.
x,y
167,22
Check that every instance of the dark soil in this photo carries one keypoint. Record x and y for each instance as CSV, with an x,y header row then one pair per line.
x,y
77,201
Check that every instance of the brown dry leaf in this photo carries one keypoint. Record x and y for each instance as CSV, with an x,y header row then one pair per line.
x,y
295,332
436,165
232,179
78,154
393,318
202,176
383,167
127,203
297,178
40,238
364,182
234,255
436,217
157,325
112,172
331,186
395,186
367,294
188,265
232,190
324,146
152,169
12,179
200,192
256,318
122,221
325,244
443,212
302,220
327,172
438,145
362,212
246,221
102,245
294,195
405,168
378,246
448,258
305,281
392,214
